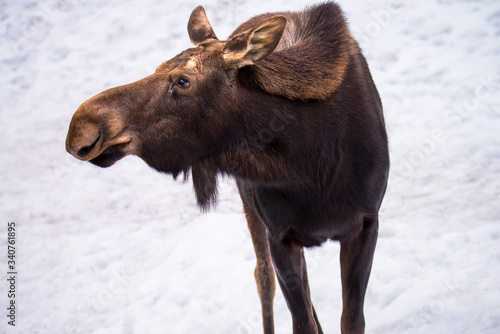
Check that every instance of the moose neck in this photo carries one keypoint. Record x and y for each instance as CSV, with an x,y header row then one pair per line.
x,y
264,148
263,151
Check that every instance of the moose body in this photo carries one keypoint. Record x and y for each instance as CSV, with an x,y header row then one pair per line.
x,y
287,106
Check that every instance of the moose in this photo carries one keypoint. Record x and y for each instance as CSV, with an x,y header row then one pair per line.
x,y
287,107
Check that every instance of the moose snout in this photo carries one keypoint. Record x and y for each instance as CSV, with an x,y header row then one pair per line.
x,y
97,133
81,151
82,140
84,151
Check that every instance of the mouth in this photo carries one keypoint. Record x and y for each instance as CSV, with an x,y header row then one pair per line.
x,y
110,155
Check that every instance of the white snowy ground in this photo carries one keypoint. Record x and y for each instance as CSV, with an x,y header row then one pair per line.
x,y
125,250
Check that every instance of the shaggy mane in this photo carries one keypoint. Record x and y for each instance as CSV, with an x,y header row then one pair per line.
x,y
311,57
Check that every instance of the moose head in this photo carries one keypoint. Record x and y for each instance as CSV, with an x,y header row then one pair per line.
x,y
187,109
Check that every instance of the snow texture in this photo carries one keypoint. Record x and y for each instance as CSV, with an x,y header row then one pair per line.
x,y
126,250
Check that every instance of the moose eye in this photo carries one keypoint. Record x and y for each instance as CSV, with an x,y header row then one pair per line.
x,y
183,83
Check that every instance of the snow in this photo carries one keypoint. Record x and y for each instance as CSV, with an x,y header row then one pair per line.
x,y
125,249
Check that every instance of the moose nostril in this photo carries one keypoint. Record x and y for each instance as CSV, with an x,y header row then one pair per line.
x,y
84,151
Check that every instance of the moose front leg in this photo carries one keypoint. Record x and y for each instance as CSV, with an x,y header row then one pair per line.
x,y
356,256
264,272
305,282
290,267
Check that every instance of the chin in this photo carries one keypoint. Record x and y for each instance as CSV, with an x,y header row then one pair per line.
x,y
108,157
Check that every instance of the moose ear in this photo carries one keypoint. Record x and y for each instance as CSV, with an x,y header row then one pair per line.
x,y
255,44
199,28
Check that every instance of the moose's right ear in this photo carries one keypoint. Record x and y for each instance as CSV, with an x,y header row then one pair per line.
x,y
199,28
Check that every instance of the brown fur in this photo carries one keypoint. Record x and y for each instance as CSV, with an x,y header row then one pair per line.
x,y
287,107
200,26
292,70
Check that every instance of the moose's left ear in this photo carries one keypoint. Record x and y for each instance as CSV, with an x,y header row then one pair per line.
x,y
199,28
255,44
